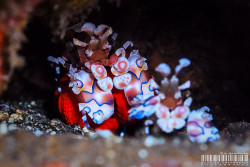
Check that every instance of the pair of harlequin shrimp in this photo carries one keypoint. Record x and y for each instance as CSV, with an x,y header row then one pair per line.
x,y
103,90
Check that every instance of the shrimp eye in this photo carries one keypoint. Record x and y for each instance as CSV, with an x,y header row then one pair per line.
x,y
78,84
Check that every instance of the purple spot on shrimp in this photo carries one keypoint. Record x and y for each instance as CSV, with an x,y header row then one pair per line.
x,y
197,131
208,124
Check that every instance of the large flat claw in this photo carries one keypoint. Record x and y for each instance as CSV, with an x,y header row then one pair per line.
x,y
98,71
105,84
180,112
164,69
169,124
121,82
162,112
120,67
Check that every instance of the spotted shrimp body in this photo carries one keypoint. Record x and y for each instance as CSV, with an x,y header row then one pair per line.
x,y
100,80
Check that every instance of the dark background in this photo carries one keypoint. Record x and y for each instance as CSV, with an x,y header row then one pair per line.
x,y
213,34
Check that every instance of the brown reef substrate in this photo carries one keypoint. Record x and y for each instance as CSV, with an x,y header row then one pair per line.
x,y
30,138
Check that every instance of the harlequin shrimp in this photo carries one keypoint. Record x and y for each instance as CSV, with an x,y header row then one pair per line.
x,y
97,81
168,106
172,112
104,89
